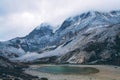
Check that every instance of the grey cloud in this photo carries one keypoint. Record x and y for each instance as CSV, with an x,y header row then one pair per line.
x,y
19,17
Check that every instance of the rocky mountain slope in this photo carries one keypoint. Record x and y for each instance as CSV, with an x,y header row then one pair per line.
x,y
91,37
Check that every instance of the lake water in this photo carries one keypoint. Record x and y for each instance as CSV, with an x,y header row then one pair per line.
x,y
67,70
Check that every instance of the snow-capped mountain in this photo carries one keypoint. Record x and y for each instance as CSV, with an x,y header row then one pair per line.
x,y
89,37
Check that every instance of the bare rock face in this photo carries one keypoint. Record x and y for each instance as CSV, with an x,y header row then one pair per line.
x,y
101,45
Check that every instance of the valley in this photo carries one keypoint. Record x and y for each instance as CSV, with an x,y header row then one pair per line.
x,y
84,47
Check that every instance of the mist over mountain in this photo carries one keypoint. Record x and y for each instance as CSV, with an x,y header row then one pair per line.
x,y
20,17
89,38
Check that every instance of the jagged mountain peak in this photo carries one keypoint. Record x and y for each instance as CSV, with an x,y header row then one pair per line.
x,y
41,30
82,20
43,26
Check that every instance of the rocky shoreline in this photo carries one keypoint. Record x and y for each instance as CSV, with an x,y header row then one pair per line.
x,y
107,72
13,71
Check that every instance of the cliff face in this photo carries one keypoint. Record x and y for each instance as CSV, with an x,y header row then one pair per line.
x,y
91,37
96,45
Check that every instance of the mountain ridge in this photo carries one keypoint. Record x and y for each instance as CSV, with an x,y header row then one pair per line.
x,y
43,42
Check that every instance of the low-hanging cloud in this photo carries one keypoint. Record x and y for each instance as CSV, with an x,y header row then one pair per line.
x,y
19,17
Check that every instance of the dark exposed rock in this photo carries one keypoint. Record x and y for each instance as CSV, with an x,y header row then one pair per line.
x,y
10,70
43,78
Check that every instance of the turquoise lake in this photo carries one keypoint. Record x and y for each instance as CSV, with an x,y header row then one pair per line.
x,y
67,70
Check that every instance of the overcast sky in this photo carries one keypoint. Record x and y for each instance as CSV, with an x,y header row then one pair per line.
x,y
19,17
